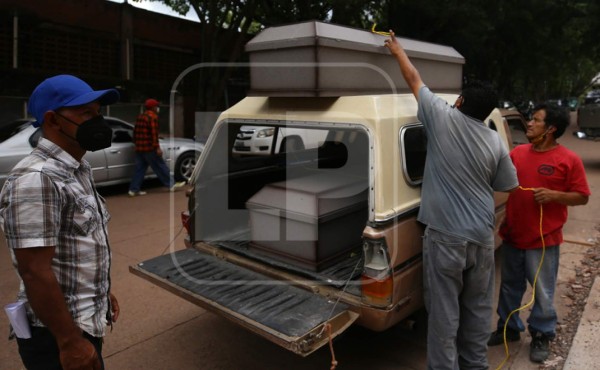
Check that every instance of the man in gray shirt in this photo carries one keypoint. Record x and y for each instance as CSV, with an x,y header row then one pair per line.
x,y
466,162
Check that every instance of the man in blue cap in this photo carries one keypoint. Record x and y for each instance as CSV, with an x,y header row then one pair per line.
x,y
55,226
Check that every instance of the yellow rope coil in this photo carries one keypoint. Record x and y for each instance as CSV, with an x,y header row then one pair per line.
x,y
379,32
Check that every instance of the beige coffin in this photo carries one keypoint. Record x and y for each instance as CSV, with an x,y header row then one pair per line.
x,y
322,59
309,221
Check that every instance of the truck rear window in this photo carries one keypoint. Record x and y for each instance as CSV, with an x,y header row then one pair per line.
x,y
230,176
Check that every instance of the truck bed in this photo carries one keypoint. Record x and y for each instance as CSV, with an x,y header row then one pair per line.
x,y
344,274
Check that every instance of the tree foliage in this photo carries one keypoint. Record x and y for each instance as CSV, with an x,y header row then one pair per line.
x,y
530,49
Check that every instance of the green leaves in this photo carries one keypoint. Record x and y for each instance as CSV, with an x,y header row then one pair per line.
x,y
530,49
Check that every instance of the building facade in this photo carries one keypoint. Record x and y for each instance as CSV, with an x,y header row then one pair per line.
x,y
108,44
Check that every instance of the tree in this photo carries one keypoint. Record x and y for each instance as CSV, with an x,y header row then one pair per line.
x,y
226,26
534,49
531,49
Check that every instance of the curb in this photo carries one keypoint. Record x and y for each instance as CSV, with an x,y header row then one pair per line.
x,y
584,352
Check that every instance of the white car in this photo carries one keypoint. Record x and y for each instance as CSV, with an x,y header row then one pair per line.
x,y
259,140
110,166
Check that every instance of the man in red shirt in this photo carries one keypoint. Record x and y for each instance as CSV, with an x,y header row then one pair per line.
x,y
148,151
557,179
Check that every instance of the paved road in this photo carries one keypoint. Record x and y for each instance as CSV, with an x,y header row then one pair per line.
x,y
158,330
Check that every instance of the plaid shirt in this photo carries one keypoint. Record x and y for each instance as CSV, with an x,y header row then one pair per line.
x,y
145,132
49,200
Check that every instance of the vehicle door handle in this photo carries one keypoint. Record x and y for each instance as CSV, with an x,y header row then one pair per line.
x,y
114,151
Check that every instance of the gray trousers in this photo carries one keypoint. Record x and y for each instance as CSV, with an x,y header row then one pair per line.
x,y
459,288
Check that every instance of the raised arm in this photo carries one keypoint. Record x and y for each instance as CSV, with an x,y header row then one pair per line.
x,y
409,72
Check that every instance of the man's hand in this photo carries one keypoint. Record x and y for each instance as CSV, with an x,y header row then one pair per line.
x,y
79,354
114,305
408,70
393,45
159,152
543,196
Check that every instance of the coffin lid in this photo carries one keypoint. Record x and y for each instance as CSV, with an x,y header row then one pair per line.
x,y
306,199
315,33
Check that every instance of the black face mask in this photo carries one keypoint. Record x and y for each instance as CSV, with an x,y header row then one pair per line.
x,y
93,134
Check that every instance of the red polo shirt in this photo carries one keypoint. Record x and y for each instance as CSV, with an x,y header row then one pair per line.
x,y
557,169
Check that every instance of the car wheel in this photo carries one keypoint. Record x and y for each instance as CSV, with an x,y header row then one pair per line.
x,y
185,165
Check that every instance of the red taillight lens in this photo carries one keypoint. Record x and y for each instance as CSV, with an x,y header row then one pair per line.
x,y
185,220
377,292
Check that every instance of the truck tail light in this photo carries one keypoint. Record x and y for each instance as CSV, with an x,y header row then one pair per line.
x,y
377,280
185,220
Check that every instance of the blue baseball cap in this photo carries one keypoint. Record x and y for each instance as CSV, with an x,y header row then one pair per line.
x,y
65,91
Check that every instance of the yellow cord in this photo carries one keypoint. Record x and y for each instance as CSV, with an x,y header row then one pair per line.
x,y
379,32
533,286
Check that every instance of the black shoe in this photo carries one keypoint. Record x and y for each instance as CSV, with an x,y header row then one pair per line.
x,y
497,337
539,348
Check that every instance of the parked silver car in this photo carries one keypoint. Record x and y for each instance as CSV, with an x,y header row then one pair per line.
x,y
110,166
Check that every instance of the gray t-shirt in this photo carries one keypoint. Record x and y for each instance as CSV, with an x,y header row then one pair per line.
x,y
466,162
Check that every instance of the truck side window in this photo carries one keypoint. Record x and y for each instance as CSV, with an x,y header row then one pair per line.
x,y
413,143
517,131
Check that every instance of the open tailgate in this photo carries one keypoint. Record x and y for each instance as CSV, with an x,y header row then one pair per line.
x,y
286,315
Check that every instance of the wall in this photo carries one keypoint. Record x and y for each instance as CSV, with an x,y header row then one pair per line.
x,y
110,45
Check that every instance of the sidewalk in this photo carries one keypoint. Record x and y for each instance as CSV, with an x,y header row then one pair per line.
x,y
584,352
587,337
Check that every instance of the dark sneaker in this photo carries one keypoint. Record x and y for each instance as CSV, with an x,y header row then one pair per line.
x,y
539,348
497,337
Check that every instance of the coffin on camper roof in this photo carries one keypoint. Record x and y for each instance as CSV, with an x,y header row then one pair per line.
x,y
322,59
